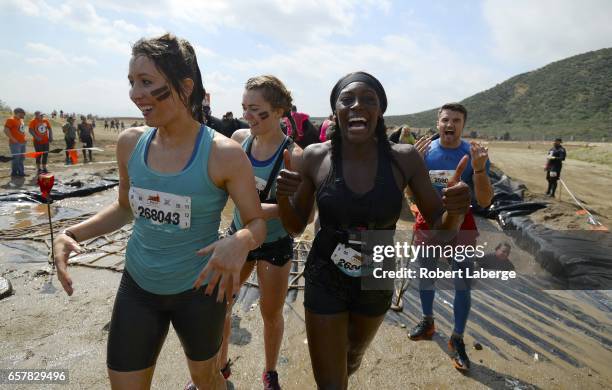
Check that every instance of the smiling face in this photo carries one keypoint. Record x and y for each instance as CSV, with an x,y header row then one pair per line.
x,y
450,126
153,94
258,112
357,112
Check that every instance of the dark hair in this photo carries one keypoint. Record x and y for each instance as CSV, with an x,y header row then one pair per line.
x,y
176,60
454,107
18,110
381,130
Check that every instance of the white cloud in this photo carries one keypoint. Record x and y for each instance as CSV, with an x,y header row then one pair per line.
x,y
104,97
537,32
111,44
203,52
287,21
410,68
42,54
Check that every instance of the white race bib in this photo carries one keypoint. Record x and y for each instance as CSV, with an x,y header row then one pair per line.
x,y
441,177
260,184
347,259
552,174
161,207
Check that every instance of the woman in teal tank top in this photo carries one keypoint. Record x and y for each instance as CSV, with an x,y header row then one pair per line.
x,y
265,101
175,175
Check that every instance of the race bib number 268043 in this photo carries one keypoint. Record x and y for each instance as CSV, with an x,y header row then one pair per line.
x,y
161,207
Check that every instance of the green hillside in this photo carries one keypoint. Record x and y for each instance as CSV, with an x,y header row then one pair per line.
x,y
571,97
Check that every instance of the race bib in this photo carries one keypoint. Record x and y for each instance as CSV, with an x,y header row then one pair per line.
x,y
552,174
347,259
440,178
161,208
260,184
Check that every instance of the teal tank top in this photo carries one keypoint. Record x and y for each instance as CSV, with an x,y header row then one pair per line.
x,y
175,215
262,170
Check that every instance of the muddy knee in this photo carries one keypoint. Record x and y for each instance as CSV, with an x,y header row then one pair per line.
x,y
354,359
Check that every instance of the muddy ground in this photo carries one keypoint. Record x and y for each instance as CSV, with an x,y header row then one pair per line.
x,y
531,338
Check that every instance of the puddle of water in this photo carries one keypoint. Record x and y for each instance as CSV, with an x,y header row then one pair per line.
x,y
14,215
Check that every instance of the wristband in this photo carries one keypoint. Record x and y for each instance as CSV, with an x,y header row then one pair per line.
x,y
480,170
69,234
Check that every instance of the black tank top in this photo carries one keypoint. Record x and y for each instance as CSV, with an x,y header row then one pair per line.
x,y
379,208
340,210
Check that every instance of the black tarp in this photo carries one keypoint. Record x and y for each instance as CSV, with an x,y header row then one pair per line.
x,y
61,190
581,258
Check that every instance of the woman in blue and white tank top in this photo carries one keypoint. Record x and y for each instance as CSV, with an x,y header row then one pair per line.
x,y
175,175
265,101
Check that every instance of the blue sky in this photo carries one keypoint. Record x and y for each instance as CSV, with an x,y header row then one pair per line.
x,y
73,55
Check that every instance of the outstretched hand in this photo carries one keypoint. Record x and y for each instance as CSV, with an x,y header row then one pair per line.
x,y
287,181
456,195
223,267
63,246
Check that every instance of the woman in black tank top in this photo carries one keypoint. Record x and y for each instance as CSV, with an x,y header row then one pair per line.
x,y
358,179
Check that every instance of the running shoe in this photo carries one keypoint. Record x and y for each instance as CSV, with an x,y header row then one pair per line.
x,y
424,330
458,354
270,380
190,386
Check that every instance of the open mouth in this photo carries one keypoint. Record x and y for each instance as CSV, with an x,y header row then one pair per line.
x,y
357,124
146,110
449,132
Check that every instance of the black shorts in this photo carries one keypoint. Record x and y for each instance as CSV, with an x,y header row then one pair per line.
x,y
87,142
277,253
372,303
141,320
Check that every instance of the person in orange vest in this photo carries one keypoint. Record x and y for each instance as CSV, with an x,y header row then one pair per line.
x,y
15,131
41,131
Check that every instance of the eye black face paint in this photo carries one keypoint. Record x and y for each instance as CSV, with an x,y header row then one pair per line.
x,y
161,93
263,115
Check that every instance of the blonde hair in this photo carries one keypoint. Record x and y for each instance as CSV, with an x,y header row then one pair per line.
x,y
273,91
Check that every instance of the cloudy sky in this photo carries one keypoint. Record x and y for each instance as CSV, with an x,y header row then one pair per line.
x,y
73,55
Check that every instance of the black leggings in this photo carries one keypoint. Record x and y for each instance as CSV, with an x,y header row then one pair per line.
x,y
141,320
